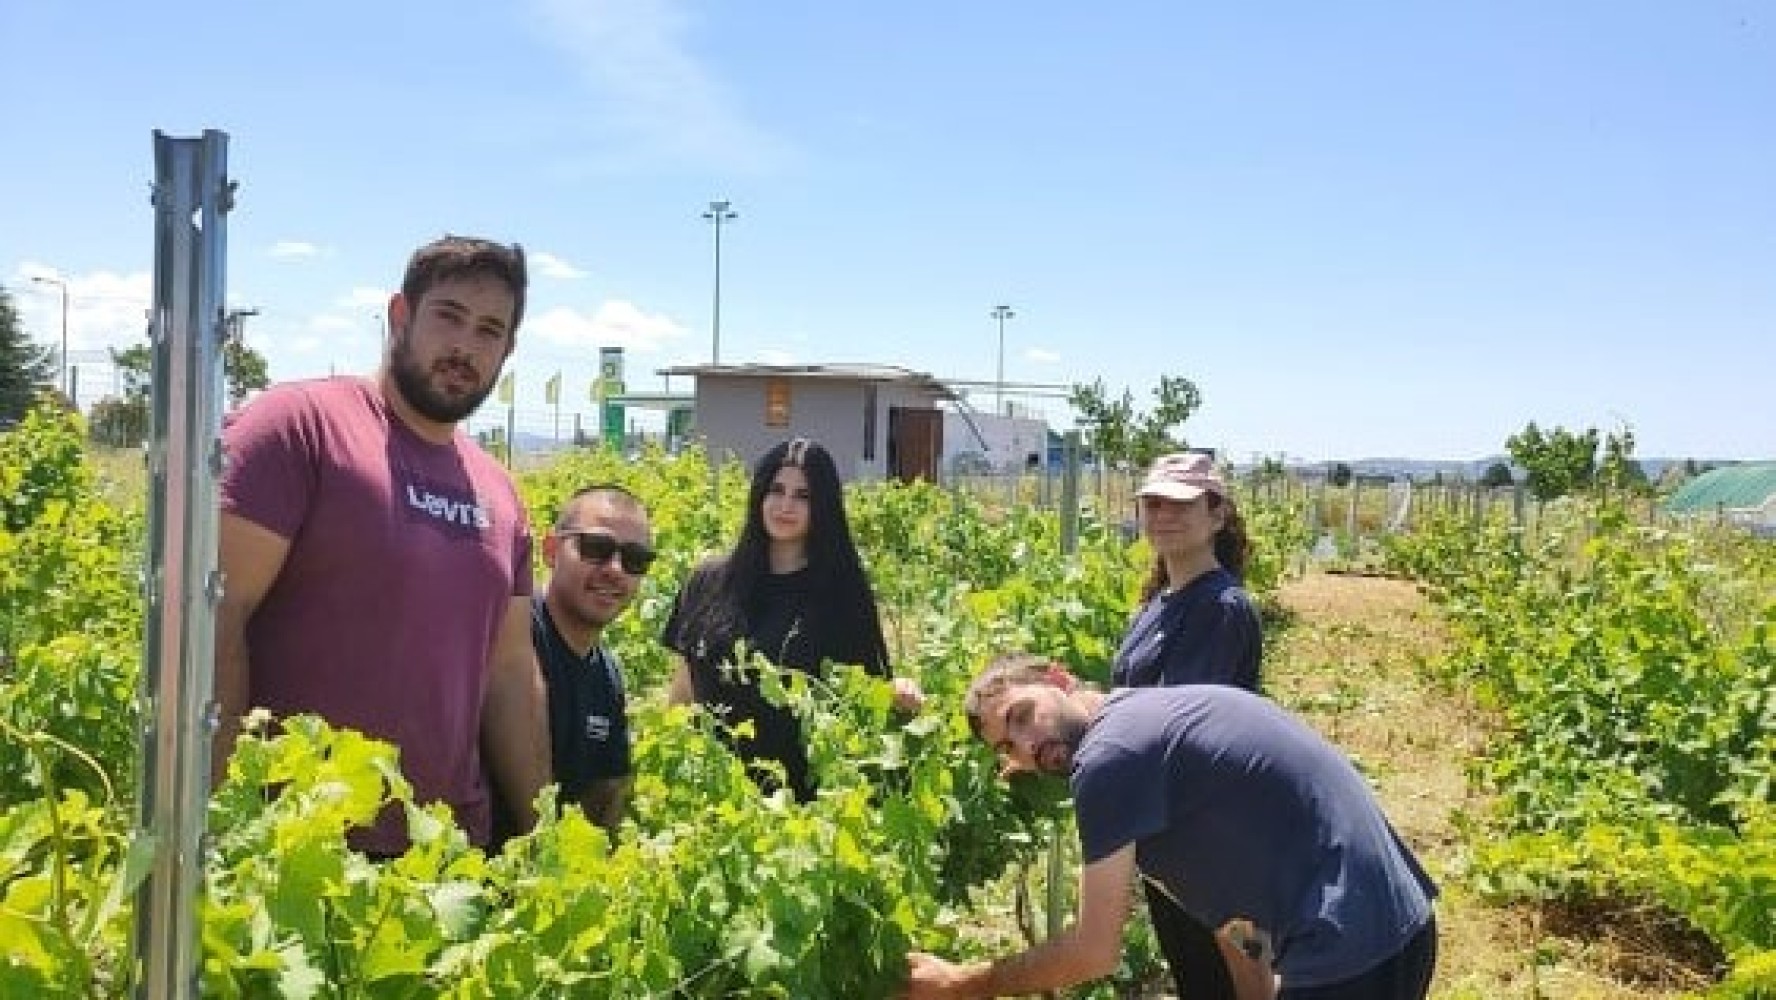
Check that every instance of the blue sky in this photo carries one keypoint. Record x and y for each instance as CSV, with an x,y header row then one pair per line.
x,y
1363,229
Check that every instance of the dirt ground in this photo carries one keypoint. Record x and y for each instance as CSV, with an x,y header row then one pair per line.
x,y
1351,658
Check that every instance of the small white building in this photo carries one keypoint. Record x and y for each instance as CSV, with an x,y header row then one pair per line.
x,y
878,421
978,443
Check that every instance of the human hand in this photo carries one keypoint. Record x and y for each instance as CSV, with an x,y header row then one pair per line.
x,y
932,978
908,697
1246,951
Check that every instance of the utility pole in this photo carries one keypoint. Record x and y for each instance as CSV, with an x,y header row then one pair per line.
x,y
1000,313
720,212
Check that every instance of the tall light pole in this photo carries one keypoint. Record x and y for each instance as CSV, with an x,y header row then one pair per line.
x,y
63,285
1000,313
719,213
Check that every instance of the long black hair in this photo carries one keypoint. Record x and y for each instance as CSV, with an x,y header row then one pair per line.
x,y
845,624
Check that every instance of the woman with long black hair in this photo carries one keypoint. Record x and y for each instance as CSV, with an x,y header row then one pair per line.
x,y
793,591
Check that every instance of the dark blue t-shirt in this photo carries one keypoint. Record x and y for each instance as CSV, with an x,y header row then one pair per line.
x,y
1205,632
1238,809
588,717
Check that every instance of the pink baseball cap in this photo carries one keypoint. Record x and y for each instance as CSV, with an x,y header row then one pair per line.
x,y
1183,476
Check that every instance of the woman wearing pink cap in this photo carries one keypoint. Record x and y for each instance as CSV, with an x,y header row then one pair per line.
x,y
1196,625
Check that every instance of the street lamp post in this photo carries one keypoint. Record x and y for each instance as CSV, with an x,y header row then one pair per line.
x,y
1000,313
63,285
720,212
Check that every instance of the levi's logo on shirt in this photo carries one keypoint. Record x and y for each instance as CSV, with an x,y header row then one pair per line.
x,y
443,507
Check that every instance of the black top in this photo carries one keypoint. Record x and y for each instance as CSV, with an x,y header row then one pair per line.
x,y
782,625
1205,632
588,724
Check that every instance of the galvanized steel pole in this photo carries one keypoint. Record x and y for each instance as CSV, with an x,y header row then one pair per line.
x,y
181,579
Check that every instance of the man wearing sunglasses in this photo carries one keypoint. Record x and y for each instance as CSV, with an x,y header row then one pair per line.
x,y
598,551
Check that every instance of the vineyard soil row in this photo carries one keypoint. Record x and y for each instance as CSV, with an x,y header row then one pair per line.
x,y
1353,659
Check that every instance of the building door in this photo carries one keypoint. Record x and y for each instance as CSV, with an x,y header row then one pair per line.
x,y
915,442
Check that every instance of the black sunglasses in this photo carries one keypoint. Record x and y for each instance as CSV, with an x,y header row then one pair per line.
x,y
596,547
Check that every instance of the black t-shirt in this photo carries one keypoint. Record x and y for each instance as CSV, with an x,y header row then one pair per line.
x,y
781,625
588,721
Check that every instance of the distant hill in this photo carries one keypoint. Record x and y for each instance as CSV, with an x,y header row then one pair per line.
x,y
1421,469
1393,468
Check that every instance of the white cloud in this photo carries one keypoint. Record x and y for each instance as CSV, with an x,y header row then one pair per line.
x,y
1042,356
617,323
651,88
344,333
104,309
365,299
318,343
294,249
685,360
29,271
550,266
331,323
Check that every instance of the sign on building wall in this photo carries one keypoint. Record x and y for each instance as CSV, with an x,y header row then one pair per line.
x,y
776,402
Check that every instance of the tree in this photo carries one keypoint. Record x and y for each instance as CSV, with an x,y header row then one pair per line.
x,y
118,423
1118,433
134,370
24,366
1339,476
1620,470
125,421
243,369
1555,463
1496,475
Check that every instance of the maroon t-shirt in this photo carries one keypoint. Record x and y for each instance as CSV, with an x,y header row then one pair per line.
x,y
404,559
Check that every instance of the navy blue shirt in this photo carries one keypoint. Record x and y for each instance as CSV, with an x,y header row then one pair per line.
x,y
588,717
1238,809
1205,632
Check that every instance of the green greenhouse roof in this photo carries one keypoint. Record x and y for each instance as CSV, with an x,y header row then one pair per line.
x,y
1732,487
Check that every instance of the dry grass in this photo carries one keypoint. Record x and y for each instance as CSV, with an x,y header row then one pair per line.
x,y
1351,659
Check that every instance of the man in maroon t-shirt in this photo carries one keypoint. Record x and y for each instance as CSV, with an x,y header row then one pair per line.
x,y
377,562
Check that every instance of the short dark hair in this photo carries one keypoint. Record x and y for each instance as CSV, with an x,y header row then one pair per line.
x,y
451,257
1007,671
617,496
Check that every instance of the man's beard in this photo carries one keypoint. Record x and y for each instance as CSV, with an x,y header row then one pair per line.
x,y
1069,731
414,385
